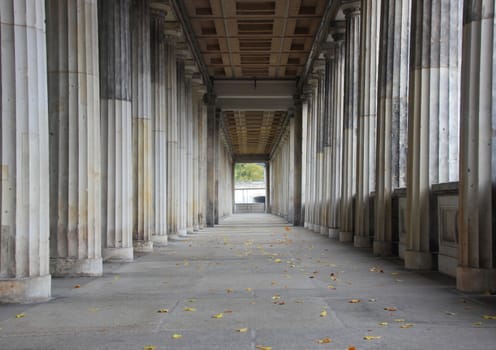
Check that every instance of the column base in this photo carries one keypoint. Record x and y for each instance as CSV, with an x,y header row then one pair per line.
x,y
159,240
182,232
469,279
176,237
345,236
382,248
25,290
323,230
190,230
143,246
334,233
361,242
118,254
415,260
196,228
316,229
72,267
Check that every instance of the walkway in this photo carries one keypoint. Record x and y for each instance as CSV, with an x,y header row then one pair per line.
x,y
259,274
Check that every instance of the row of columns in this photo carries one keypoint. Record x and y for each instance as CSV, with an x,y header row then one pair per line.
x,y
103,133
395,123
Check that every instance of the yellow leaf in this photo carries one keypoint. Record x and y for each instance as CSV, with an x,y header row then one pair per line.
x,y
477,324
383,324
324,341
276,297
163,311
407,325
242,330
192,309
399,320
20,315
323,313
261,347
277,260
354,301
218,315
248,289
489,317
372,337
330,286
149,347
177,336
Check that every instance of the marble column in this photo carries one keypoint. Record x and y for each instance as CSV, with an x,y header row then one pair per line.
x,y
367,120
392,116
336,100
295,163
202,167
189,152
172,133
476,270
211,134
350,123
142,128
433,117
182,172
116,129
74,126
159,126
24,253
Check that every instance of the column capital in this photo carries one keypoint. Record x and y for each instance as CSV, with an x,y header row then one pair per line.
x,y
298,100
337,31
351,7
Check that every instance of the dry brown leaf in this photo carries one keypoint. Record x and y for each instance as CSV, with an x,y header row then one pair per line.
x,y
163,311
407,325
390,308
229,290
77,286
354,301
372,337
351,348
324,341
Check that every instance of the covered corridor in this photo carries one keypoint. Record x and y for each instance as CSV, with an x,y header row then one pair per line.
x,y
262,275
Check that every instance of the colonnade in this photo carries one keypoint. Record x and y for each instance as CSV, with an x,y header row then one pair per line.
x,y
403,111
104,134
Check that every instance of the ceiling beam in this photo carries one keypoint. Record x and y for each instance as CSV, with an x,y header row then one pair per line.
x,y
251,158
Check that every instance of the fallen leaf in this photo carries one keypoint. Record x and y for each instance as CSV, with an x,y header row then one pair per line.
x,y
323,313
177,336
372,337
383,324
77,286
220,315
276,297
489,317
261,347
229,290
354,301
277,260
450,313
20,315
191,300
163,311
477,324
330,286
390,308
351,348
281,303
399,320
333,276
287,228
149,347
407,325
192,309
242,330
248,289
324,341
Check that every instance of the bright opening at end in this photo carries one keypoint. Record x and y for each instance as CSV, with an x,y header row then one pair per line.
x,y
250,190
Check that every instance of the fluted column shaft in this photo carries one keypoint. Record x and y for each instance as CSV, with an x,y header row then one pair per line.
x,y
159,126
336,81
211,142
202,170
189,154
74,122
433,116
476,271
182,199
295,164
24,249
392,116
350,124
172,135
367,119
142,128
116,129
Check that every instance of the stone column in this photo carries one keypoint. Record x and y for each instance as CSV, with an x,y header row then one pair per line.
x,y
189,151
211,134
336,99
74,122
142,130
433,117
159,126
295,125
116,129
202,155
350,124
476,271
172,132
182,172
367,120
24,253
392,116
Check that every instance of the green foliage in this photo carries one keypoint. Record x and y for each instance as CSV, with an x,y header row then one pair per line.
x,y
249,172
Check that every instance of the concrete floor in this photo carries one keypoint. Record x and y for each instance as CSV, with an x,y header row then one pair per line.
x,y
261,275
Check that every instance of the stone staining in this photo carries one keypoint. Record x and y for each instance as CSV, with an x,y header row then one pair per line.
x,y
24,247
434,58
477,240
352,42
182,161
74,118
116,129
392,116
141,117
159,127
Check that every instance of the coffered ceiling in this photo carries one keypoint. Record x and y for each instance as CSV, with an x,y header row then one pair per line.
x,y
255,38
